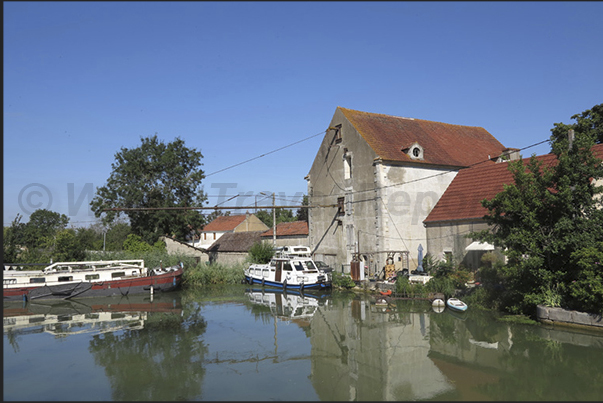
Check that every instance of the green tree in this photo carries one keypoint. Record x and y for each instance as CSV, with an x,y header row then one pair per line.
x,y
159,176
282,215
90,238
66,247
42,224
261,252
134,243
116,235
541,221
302,212
13,241
265,217
589,122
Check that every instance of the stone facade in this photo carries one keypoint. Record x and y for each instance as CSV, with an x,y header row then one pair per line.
x,y
376,178
175,247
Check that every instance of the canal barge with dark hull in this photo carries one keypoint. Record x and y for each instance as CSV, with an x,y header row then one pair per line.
x,y
66,280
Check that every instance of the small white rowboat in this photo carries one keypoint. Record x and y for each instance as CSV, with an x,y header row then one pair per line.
x,y
456,304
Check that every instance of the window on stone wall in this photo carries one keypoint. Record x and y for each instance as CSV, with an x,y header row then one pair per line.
x,y
338,138
351,241
347,167
340,206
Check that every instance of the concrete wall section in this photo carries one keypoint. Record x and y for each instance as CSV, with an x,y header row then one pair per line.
x,y
562,316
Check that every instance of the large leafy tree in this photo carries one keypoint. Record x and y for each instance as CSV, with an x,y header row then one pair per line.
x,y
546,221
66,247
154,176
43,224
588,122
32,242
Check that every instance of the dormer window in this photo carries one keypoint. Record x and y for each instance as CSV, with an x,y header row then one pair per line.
x,y
415,151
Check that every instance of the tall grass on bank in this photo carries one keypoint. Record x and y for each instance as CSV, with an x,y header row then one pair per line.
x,y
442,285
204,274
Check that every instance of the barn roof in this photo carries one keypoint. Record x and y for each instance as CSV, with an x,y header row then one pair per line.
x,y
443,143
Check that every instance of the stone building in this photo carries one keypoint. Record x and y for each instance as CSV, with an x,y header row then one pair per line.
x,y
377,177
459,211
227,224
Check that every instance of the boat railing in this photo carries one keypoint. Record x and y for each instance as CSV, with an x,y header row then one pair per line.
x,y
101,264
293,252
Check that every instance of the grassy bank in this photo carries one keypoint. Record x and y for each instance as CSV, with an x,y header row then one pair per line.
x,y
204,274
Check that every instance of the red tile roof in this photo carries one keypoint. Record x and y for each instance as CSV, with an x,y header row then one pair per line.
x,y
462,199
289,229
225,223
443,143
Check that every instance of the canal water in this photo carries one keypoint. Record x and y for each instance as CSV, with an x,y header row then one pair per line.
x,y
238,343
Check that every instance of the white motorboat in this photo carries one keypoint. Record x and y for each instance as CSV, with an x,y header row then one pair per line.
x,y
292,268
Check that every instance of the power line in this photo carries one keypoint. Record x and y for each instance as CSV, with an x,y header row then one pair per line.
x,y
263,155
423,178
307,206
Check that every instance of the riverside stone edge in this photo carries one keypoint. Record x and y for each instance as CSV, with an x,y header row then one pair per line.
x,y
562,316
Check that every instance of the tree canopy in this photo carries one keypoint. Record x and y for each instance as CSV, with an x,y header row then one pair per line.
x,y
549,222
42,224
302,212
589,122
282,215
154,175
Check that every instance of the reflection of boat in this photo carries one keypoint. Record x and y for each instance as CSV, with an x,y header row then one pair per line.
x,y
437,303
286,305
461,315
65,280
382,301
94,315
484,344
438,309
291,268
456,304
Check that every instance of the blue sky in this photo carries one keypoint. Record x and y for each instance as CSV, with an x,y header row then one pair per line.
x,y
237,80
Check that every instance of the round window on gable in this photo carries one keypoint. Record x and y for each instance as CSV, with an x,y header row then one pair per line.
x,y
415,152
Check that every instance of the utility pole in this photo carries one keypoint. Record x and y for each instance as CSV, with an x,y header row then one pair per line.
x,y
273,220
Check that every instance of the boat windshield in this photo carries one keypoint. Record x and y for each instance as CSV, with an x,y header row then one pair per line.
x,y
305,265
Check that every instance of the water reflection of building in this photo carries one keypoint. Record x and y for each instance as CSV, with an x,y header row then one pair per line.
x,y
364,352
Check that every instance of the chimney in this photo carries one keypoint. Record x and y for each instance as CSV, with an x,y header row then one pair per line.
x,y
570,137
509,154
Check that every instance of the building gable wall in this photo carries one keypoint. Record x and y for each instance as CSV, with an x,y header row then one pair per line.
x,y
383,200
